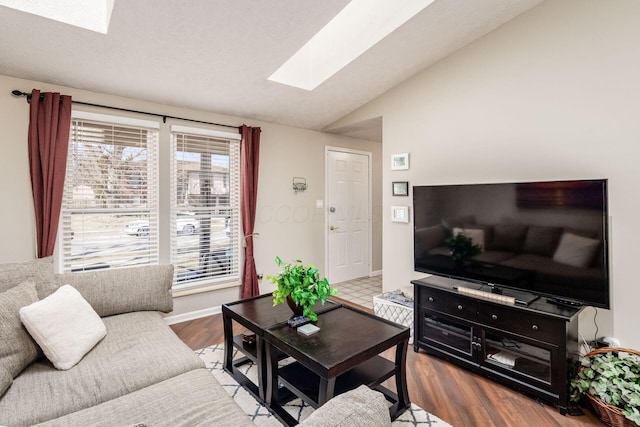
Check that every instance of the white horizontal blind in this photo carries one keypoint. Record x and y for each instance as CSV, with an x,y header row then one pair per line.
x,y
205,200
110,203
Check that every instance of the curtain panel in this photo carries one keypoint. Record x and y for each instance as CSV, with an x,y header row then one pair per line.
x,y
49,125
249,160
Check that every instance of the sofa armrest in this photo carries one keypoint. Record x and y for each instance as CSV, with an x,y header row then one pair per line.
x,y
116,291
361,407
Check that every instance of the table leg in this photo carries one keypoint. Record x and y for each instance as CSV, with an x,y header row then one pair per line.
x,y
271,375
401,376
271,386
228,343
327,388
262,371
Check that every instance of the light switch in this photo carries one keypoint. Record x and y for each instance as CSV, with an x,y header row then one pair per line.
x,y
319,204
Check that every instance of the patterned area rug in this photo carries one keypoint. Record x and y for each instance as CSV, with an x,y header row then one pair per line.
x,y
213,357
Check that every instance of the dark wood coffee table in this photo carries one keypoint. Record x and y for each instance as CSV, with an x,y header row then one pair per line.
x,y
344,354
255,315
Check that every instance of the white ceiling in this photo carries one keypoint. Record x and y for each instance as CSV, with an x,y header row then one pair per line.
x,y
216,55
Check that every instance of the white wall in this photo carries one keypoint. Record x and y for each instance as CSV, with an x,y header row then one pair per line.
x,y
289,225
553,94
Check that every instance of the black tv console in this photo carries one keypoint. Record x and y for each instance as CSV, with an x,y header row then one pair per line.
x,y
528,347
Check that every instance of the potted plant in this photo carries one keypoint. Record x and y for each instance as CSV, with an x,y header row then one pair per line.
x,y
462,248
302,286
610,378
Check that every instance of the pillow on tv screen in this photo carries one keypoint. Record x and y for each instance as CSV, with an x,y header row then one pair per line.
x,y
64,325
542,240
576,251
428,238
507,237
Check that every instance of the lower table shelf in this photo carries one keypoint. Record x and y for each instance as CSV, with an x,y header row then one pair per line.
x,y
305,384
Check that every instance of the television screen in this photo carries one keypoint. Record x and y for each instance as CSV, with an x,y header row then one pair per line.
x,y
544,238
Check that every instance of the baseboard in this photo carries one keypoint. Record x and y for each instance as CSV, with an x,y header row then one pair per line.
x,y
192,315
375,273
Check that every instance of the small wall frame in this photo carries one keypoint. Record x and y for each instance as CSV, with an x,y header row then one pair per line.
x,y
400,214
400,188
399,161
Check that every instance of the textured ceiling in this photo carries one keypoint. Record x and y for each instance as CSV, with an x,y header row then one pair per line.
x,y
216,55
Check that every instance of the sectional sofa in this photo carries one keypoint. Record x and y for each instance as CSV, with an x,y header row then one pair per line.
x,y
99,353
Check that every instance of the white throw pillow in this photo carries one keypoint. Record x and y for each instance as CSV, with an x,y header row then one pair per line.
x,y
64,325
576,251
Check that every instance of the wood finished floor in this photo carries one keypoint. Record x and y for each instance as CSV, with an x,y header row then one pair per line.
x,y
457,396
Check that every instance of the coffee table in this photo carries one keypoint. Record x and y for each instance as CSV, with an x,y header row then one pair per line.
x,y
344,354
254,314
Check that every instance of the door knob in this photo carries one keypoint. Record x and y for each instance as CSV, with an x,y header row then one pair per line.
x,y
332,209
333,228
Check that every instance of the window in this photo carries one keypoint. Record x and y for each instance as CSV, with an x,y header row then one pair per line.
x,y
205,175
109,216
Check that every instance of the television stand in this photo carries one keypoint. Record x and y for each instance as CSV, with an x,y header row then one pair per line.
x,y
529,348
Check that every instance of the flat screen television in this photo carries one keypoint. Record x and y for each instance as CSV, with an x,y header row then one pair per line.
x,y
531,238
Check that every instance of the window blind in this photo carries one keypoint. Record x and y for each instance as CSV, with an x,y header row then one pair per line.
x,y
205,227
110,203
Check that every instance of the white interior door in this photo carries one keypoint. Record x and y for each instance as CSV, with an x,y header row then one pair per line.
x,y
348,214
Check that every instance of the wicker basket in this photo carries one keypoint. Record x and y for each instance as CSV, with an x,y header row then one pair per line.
x,y
611,415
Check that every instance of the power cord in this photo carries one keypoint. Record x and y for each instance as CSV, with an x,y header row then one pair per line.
x,y
595,315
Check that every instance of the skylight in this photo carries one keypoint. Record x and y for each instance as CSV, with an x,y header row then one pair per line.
x,y
92,15
358,27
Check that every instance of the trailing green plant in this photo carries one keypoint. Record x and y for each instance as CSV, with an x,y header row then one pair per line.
x,y
462,247
303,284
613,379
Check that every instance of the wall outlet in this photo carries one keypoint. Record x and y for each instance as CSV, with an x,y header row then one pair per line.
x,y
260,276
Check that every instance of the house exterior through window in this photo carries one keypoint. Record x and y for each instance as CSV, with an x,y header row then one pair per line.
x,y
111,215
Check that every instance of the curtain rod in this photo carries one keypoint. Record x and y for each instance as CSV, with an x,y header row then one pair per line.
x,y
164,116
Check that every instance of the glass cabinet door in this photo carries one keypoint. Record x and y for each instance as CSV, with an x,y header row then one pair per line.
x,y
450,335
518,357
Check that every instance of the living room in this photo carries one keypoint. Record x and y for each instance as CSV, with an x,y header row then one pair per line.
x,y
547,95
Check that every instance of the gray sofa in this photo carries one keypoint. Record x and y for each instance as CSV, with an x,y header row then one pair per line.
x,y
140,373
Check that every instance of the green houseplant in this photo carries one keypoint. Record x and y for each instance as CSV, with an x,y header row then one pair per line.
x,y
462,248
610,378
302,284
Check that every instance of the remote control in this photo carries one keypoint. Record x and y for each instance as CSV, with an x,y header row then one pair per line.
x,y
294,322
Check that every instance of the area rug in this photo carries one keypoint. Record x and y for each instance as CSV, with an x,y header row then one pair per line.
x,y
213,358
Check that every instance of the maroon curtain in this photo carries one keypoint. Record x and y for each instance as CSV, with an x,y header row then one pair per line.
x,y
249,157
49,125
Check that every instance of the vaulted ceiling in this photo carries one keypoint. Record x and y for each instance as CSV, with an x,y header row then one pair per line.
x,y
217,55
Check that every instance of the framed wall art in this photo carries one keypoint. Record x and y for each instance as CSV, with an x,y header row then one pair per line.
x,y
400,161
400,188
400,213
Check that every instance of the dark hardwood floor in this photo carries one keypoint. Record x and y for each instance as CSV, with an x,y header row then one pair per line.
x,y
459,397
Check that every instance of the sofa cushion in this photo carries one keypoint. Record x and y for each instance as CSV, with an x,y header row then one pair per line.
x,y
542,240
124,290
139,349
5,380
17,348
507,237
194,398
40,270
576,251
427,238
361,407
64,325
